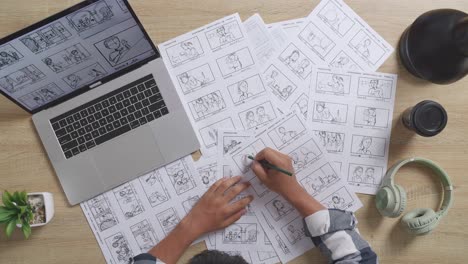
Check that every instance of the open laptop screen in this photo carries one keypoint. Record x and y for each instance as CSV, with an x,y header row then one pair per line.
x,y
91,42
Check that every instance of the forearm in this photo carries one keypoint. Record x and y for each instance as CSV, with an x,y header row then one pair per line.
x,y
303,201
171,248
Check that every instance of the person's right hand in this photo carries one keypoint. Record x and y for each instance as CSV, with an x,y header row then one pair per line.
x,y
276,181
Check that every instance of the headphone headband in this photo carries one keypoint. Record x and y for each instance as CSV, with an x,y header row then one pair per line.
x,y
447,200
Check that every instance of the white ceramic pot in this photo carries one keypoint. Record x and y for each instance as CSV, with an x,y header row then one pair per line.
x,y
48,200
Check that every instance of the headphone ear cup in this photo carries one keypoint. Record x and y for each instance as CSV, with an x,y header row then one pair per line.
x,y
385,201
420,221
402,205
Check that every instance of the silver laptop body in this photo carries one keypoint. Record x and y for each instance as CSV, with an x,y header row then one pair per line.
x,y
88,159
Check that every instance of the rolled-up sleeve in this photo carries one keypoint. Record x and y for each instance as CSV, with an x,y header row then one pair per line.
x,y
144,258
335,233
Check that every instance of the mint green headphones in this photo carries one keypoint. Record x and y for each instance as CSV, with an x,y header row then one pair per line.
x,y
391,199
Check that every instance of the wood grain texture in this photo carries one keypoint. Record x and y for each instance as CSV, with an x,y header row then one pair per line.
x,y
68,238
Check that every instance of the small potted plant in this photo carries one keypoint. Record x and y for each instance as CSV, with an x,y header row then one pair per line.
x,y
25,210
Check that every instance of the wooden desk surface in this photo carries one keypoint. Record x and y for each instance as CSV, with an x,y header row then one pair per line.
x,y
24,164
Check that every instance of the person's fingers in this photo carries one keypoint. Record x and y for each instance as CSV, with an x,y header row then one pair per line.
x,y
233,218
270,155
216,185
258,169
226,184
239,205
236,190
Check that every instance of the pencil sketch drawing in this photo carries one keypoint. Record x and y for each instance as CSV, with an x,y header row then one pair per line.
x,y
154,188
371,117
41,96
304,155
344,61
90,16
278,208
235,62
224,34
375,88
46,37
102,212
287,131
320,179
366,48
207,105
246,89
279,84
365,174
208,174
209,134
294,231
240,233
168,220
316,40
336,19
9,55
296,61
333,142
119,248
128,200
367,146
144,235
21,78
302,105
85,76
196,78
66,58
185,51
330,112
241,158
333,83
257,116
180,176
340,199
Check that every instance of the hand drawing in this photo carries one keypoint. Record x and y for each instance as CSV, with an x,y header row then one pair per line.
x,y
335,19
363,48
246,89
304,155
262,116
343,61
118,47
257,116
102,212
233,61
119,248
208,174
370,176
318,41
296,61
128,200
367,145
207,105
209,134
280,85
336,85
46,37
330,112
364,174
240,233
91,16
223,35
241,158
9,55
370,116
357,174
302,104
373,87
366,48
243,90
144,235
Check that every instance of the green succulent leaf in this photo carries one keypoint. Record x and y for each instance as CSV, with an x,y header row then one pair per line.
x,y
10,227
6,197
6,214
26,228
24,197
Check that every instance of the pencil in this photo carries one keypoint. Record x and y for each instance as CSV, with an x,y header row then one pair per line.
x,y
271,166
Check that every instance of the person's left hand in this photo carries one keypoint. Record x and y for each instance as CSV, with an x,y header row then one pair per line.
x,y
214,210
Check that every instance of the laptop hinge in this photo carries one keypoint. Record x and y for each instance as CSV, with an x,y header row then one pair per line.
x,y
94,85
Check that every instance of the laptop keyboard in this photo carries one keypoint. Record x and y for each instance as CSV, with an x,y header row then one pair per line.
x,y
109,116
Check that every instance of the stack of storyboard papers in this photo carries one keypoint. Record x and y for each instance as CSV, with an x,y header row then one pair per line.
x,y
306,87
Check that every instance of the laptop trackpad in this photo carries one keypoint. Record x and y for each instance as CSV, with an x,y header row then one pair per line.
x,y
128,156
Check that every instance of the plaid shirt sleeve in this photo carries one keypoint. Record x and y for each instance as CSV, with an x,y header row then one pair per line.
x,y
334,232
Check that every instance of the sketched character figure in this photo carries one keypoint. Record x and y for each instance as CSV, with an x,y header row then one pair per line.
x,y
341,62
190,81
243,90
370,116
297,163
118,48
363,48
73,80
77,56
301,68
54,66
294,233
250,119
307,154
357,174
364,146
286,92
271,80
39,100
335,141
336,85
375,89
263,117
180,178
281,209
231,145
32,44
224,36
286,135
233,61
95,73
370,175
337,202
303,106
121,248
8,57
292,58
200,107
189,50
47,94
323,113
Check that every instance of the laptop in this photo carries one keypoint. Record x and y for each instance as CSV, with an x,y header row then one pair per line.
x,y
101,99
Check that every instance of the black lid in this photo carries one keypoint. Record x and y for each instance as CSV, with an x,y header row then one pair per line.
x,y
429,118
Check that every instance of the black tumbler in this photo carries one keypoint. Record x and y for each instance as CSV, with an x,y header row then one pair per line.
x,y
427,118
435,46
